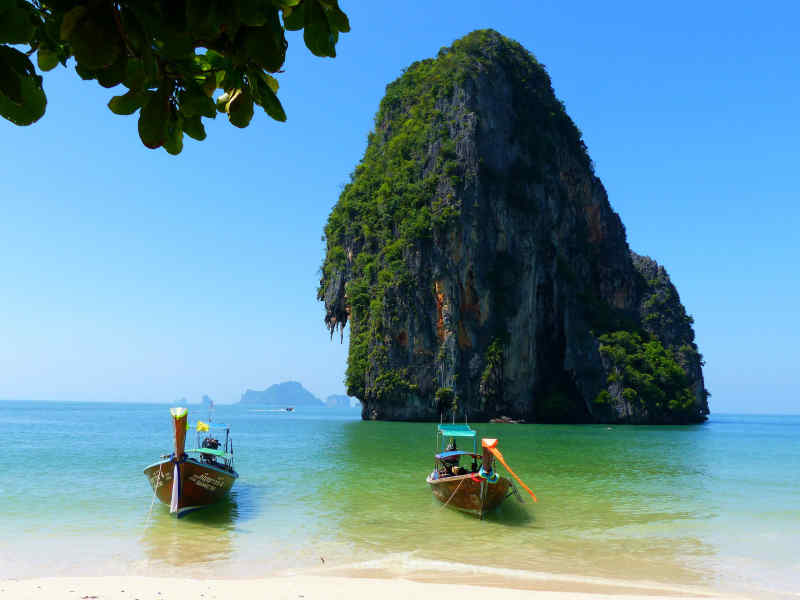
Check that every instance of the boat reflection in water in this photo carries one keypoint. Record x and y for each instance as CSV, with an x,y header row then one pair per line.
x,y
200,538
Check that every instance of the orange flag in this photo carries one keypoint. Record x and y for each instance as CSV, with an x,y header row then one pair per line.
x,y
499,457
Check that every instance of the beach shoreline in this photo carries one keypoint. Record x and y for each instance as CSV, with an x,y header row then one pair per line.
x,y
356,585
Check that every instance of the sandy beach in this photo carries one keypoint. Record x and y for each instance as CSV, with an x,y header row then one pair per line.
x,y
313,587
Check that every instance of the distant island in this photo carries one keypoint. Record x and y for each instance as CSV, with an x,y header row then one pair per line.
x,y
288,393
292,393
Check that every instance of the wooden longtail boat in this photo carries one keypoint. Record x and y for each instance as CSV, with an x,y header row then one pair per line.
x,y
476,489
190,479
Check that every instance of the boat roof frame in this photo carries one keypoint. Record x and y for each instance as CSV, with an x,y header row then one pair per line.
x,y
456,430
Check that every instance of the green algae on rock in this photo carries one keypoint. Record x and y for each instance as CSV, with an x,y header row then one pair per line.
x,y
481,268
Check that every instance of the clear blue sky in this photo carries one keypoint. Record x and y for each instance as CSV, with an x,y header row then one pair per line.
x,y
129,274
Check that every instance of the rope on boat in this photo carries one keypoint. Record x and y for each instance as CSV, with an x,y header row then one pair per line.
x,y
155,487
454,493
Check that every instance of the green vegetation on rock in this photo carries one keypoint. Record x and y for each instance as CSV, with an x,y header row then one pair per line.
x,y
648,375
491,386
399,200
477,260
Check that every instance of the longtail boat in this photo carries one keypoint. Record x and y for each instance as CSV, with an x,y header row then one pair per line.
x,y
475,489
189,479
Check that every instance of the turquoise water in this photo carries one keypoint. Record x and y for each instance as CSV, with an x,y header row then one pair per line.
x,y
715,505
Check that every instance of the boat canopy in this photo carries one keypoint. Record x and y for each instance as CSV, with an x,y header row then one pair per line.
x,y
450,453
212,452
456,430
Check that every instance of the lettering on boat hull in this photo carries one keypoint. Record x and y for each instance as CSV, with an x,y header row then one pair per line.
x,y
201,485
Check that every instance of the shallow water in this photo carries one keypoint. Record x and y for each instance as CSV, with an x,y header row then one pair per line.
x,y
713,505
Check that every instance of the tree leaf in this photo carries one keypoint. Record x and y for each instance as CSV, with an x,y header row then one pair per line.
x,y
134,30
173,143
84,73
222,101
317,33
294,19
200,19
240,109
17,24
270,102
95,41
193,102
32,106
210,84
254,12
135,77
46,59
265,46
128,103
154,118
115,74
270,81
10,82
71,20
177,45
216,60
17,61
337,19
193,127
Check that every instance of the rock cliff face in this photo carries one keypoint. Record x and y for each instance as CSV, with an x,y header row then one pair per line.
x,y
481,268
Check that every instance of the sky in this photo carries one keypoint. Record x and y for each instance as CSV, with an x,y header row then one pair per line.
x,y
132,275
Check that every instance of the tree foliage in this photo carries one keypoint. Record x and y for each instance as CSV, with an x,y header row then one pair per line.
x,y
648,375
172,55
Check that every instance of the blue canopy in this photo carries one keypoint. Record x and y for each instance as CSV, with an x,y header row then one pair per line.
x,y
456,431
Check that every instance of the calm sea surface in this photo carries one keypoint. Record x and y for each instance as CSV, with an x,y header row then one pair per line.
x,y
716,505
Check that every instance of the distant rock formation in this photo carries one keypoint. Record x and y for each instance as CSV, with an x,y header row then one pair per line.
x,y
341,401
481,268
289,393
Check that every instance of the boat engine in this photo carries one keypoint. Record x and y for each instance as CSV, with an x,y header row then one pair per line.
x,y
211,443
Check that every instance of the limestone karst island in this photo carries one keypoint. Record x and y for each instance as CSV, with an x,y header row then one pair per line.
x,y
481,268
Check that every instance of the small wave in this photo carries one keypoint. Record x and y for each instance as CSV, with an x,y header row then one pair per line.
x,y
407,565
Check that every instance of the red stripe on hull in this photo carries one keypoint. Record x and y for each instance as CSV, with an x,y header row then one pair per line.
x,y
464,493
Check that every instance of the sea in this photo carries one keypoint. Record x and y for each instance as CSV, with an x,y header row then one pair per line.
x,y
711,507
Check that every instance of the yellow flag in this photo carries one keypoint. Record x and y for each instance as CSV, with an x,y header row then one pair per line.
x,y
202,426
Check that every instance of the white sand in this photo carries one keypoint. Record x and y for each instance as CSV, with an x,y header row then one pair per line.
x,y
313,587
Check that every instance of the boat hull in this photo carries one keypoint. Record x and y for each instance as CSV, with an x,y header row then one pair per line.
x,y
201,484
465,494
